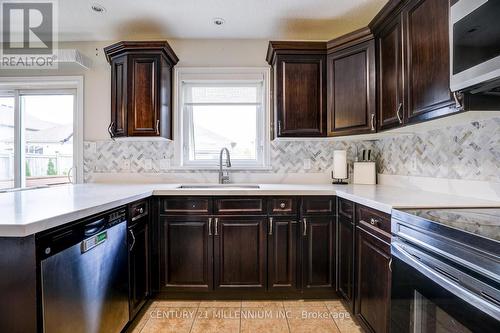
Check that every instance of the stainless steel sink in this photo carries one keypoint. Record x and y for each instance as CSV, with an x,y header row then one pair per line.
x,y
215,186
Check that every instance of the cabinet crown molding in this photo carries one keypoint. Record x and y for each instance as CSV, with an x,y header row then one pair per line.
x,y
353,38
293,47
124,47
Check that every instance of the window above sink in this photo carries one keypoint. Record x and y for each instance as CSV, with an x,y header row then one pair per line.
x,y
222,107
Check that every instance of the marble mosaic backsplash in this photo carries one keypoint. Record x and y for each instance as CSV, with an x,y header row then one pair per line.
x,y
470,151
285,156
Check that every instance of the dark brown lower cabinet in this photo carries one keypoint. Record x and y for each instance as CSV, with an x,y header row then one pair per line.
x,y
240,253
373,295
283,259
318,253
345,264
138,266
186,260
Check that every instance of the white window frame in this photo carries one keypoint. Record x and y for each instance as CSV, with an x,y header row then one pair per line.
x,y
184,75
40,85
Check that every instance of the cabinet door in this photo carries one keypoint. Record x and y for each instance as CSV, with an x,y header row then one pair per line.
x,y
118,126
391,105
301,107
186,260
283,253
138,266
351,72
240,253
345,265
427,60
144,99
373,282
318,272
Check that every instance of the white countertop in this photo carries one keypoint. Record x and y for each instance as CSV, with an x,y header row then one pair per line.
x,y
28,212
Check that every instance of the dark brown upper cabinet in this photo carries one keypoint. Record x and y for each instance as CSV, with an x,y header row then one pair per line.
x,y
298,88
412,62
391,107
427,57
351,84
141,85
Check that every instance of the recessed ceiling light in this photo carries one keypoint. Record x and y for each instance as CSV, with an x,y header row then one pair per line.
x,y
218,21
97,8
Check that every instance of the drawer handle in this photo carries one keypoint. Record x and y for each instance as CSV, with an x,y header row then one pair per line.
x,y
140,210
270,226
374,221
158,127
304,220
210,226
282,205
216,226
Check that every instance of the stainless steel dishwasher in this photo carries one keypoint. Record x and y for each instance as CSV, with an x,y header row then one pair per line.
x,y
84,278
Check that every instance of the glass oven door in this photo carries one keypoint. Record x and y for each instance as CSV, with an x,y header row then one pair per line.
x,y
432,296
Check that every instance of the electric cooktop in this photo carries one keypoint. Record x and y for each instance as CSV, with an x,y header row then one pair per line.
x,y
484,222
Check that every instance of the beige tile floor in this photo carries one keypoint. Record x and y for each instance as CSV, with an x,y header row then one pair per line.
x,y
246,317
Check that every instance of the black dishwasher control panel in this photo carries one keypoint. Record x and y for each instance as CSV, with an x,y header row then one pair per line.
x,y
53,241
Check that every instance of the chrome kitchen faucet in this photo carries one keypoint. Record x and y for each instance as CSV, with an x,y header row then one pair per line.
x,y
224,176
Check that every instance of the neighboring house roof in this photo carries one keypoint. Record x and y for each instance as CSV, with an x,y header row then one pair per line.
x,y
37,130
56,134
32,123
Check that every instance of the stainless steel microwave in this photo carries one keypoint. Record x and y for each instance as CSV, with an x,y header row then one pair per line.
x,y
475,45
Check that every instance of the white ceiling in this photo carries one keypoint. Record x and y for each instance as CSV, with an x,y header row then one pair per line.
x,y
245,19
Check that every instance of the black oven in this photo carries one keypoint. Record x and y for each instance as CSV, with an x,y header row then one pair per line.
x,y
443,280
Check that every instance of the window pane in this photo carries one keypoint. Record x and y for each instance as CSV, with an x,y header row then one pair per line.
x,y
48,123
220,94
218,126
6,142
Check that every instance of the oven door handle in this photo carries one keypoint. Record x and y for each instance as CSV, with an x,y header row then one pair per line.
x,y
445,280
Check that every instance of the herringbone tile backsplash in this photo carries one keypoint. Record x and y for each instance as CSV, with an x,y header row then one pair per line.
x,y
469,151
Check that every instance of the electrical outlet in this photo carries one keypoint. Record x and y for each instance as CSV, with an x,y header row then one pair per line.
x,y
126,164
307,164
148,164
414,163
164,164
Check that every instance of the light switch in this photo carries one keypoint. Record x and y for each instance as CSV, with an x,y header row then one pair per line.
x,y
164,164
307,164
126,164
92,147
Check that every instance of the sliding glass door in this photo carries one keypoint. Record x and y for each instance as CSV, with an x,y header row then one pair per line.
x,y
37,145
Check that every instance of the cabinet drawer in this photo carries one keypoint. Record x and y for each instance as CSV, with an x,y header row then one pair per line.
x,y
318,205
374,221
239,206
138,209
186,206
282,206
346,209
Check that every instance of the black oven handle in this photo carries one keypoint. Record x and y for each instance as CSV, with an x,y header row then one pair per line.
x,y
411,256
